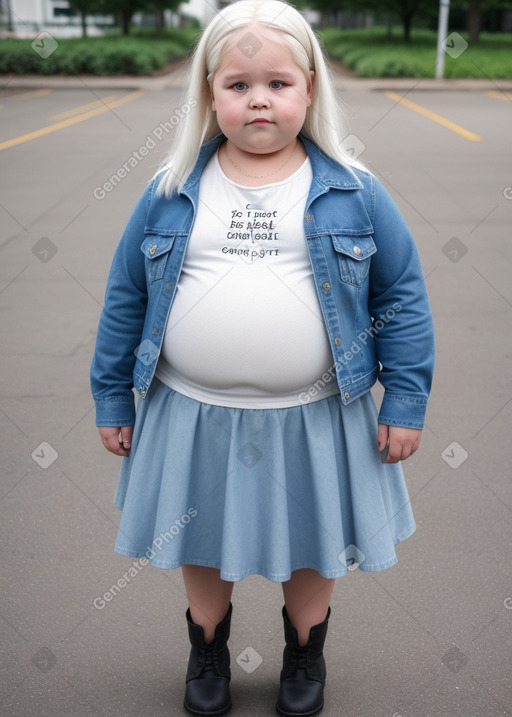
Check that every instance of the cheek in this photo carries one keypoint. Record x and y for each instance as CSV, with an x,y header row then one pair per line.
x,y
294,111
229,112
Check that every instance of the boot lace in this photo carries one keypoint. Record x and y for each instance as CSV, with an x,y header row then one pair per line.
x,y
301,654
209,659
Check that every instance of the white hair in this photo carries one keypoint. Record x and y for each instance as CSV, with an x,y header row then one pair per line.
x,y
324,124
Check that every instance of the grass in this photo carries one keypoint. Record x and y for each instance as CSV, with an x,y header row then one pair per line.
x,y
371,53
139,54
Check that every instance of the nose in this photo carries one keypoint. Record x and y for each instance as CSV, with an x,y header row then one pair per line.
x,y
259,98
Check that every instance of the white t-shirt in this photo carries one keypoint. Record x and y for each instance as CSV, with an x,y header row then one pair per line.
x,y
246,328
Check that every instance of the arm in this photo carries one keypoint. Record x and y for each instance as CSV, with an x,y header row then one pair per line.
x,y
120,326
405,342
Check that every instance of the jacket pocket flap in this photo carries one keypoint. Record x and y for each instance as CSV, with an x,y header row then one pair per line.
x,y
155,245
356,247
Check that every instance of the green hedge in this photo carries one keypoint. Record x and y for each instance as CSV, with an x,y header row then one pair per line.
x,y
372,53
98,56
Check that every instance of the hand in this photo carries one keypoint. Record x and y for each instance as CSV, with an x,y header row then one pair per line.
x,y
116,440
403,442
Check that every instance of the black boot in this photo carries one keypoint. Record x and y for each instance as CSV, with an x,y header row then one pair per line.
x,y
208,673
301,692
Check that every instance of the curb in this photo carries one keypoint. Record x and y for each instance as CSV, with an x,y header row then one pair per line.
x,y
420,84
176,79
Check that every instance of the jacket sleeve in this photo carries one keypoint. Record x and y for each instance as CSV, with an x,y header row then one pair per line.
x,y
121,325
402,319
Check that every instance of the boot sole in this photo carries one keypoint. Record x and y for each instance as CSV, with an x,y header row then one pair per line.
x,y
300,714
223,711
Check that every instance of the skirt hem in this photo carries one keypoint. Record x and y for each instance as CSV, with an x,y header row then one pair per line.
x,y
274,577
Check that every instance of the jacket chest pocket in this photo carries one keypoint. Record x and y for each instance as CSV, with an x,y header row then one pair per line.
x,y
156,249
354,252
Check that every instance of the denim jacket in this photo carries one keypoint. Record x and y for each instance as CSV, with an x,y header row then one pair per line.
x,y
367,275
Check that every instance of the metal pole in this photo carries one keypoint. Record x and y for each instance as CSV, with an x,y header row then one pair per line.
x,y
442,30
10,26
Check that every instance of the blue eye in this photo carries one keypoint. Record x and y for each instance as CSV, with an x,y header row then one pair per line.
x,y
236,86
277,82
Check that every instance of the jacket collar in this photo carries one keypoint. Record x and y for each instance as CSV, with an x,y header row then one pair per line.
x,y
327,172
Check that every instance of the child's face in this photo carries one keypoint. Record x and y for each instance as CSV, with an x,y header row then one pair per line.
x,y
258,78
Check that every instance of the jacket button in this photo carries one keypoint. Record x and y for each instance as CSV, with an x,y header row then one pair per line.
x,y
168,286
308,217
357,250
143,393
155,331
153,249
326,286
346,394
337,341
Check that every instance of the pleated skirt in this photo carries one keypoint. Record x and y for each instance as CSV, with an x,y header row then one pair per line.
x,y
260,491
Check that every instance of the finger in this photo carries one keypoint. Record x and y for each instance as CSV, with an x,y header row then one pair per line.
x,y
395,450
126,436
114,446
382,436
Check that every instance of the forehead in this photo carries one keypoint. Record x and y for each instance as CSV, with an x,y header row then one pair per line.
x,y
255,47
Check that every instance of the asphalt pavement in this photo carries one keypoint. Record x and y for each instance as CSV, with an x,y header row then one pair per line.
x,y
431,636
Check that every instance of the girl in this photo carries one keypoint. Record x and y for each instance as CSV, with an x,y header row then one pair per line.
x,y
262,285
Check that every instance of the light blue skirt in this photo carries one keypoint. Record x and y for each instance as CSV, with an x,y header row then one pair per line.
x,y
260,491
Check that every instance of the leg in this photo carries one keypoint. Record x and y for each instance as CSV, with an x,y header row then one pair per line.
x,y
305,615
208,596
307,596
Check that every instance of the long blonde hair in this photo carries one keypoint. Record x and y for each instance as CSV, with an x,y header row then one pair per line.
x,y
325,123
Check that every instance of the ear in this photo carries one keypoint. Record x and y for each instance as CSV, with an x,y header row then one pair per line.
x,y
310,86
212,97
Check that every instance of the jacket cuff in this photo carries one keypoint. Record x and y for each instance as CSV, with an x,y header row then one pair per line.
x,y
405,410
115,411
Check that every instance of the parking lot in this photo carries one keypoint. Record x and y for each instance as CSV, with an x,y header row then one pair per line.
x,y
429,637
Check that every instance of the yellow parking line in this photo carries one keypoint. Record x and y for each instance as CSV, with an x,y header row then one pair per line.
x,y
499,95
28,93
435,117
70,121
82,108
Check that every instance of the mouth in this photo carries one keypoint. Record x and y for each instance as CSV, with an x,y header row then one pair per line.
x,y
260,120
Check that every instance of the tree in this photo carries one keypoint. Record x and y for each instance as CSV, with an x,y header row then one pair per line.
x,y
475,10
405,10
84,8
126,9
158,7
